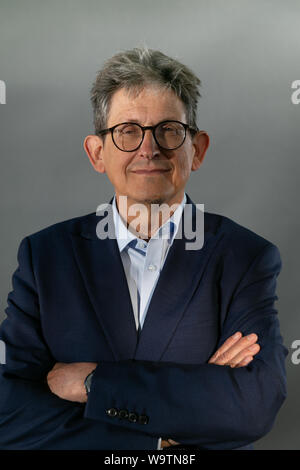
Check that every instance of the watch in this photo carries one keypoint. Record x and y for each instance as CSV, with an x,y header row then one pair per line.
x,y
88,382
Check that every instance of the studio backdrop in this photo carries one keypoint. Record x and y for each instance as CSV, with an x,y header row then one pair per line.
x,y
246,54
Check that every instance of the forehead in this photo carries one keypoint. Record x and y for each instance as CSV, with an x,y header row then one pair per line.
x,y
147,106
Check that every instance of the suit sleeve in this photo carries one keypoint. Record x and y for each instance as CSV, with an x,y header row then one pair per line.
x,y
31,416
211,406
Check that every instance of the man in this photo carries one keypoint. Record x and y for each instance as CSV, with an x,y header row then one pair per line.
x,y
133,341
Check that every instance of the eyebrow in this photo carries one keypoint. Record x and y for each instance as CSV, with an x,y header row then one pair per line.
x,y
139,122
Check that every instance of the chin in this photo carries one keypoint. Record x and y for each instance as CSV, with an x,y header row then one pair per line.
x,y
149,198
154,196
154,201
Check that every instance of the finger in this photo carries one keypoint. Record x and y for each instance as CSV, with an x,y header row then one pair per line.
x,y
173,443
245,362
243,343
249,351
225,346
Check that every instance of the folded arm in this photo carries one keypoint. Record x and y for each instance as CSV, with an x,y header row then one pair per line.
x,y
209,405
213,406
31,417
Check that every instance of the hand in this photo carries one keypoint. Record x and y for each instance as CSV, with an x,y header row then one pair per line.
x,y
237,351
67,380
168,443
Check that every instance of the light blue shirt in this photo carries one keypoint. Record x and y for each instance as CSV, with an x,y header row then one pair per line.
x,y
143,261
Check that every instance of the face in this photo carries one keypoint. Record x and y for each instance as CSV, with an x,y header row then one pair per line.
x,y
149,174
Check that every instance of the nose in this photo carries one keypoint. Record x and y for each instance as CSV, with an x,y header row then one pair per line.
x,y
149,147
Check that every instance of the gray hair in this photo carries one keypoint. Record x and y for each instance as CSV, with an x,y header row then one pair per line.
x,y
133,70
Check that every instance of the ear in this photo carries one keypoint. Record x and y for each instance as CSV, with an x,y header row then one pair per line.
x,y
200,143
93,145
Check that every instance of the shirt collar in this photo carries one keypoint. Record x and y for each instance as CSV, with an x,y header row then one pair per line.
x,y
124,236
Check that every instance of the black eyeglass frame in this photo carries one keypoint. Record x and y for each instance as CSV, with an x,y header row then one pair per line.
x,y
145,128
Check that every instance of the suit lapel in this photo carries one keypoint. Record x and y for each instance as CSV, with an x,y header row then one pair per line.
x,y
103,275
178,280
102,271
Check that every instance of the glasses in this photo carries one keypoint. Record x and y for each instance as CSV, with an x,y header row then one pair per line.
x,y
128,136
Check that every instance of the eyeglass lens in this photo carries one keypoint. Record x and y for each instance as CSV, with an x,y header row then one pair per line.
x,y
169,135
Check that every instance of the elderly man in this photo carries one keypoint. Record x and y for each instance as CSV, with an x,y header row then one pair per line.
x,y
132,340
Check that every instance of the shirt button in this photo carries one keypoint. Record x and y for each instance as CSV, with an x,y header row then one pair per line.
x,y
141,244
152,267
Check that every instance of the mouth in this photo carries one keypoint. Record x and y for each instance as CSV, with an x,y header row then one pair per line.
x,y
150,172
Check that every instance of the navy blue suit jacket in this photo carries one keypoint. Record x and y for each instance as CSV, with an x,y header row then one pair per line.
x,y
70,303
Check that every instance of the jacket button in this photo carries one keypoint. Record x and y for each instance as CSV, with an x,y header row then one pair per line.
x,y
112,412
143,419
132,417
123,414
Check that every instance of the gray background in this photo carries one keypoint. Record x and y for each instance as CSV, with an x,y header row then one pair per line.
x,y
246,54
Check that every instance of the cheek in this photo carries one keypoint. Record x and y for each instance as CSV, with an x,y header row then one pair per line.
x,y
115,169
183,167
